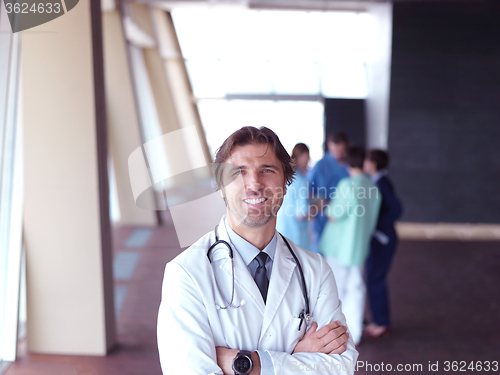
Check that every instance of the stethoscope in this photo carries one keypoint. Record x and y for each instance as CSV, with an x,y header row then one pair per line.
x,y
305,314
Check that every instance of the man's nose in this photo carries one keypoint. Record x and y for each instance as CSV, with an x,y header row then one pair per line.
x,y
253,180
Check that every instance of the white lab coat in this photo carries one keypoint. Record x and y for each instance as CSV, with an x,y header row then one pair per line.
x,y
190,327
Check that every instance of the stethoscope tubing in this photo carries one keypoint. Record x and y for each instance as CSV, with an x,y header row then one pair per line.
x,y
302,279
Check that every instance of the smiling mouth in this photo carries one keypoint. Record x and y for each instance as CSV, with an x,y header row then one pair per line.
x,y
254,200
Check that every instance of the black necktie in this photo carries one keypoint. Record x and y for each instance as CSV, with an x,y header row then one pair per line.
x,y
261,275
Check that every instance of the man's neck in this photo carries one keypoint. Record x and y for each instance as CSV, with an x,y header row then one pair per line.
x,y
257,236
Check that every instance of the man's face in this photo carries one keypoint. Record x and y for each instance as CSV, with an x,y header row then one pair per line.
x,y
338,151
256,194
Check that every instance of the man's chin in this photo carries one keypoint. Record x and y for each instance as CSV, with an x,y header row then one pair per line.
x,y
256,221
252,217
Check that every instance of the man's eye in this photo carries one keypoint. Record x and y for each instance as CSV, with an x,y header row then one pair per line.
x,y
267,171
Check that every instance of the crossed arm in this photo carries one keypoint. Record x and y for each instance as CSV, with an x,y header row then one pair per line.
x,y
329,339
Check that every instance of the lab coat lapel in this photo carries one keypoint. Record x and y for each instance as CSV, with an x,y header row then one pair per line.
x,y
242,277
283,268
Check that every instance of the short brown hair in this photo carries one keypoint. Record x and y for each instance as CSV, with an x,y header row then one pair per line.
x,y
355,156
251,135
380,158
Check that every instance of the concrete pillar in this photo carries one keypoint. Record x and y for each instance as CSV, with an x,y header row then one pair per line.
x,y
160,85
378,77
123,119
173,102
66,228
177,77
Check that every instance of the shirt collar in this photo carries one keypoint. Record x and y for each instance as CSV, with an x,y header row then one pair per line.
x,y
246,250
377,176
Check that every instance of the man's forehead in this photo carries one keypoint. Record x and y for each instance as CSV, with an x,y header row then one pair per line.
x,y
252,154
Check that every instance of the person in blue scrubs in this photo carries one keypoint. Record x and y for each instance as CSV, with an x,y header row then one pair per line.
x,y
323,180
292,218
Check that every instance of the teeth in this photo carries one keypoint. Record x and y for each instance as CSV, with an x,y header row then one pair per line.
x,y
255,201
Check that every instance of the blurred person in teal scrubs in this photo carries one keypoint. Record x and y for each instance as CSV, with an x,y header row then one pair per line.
x,y
352,216
292,218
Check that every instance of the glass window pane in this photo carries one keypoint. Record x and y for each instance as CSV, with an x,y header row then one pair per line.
x,y
295,78
282,52
210,78
343,81
11,189
249,77
293,121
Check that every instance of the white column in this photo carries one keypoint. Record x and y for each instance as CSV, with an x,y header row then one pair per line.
x,y
379,77
69,273
123,119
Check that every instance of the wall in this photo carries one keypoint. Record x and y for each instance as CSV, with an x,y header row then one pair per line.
x,y
348,116
444,122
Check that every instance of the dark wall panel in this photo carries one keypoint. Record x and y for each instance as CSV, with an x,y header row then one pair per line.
x,y
444,124
347,115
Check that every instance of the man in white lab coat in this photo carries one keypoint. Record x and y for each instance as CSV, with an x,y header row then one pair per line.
x,y
246,316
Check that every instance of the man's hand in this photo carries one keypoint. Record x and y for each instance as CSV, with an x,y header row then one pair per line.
x,y
329,339
225,358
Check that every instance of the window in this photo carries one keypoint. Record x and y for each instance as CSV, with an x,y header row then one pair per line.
x,y
11,193
231,51
278,64
223,117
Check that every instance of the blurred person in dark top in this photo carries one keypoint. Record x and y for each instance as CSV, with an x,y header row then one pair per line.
x,y
383,245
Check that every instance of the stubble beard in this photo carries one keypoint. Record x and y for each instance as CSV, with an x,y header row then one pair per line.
x,y
261,217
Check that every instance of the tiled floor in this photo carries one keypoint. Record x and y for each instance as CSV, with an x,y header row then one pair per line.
x,y
446,307
140,255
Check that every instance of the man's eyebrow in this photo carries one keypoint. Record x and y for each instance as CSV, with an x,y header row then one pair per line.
x,y
269,166
244,167
237,167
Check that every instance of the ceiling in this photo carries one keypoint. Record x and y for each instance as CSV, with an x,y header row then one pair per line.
x,y
318,5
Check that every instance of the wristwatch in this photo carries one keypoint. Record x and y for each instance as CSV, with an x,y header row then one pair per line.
x,y
242,363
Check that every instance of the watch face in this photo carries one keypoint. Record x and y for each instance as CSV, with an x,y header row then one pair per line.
x,y
242,365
